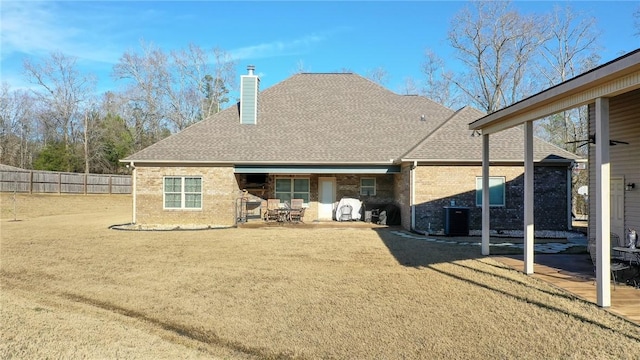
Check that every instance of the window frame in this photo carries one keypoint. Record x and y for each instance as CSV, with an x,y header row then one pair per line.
x,y
292,190
363,187
503,184
183,193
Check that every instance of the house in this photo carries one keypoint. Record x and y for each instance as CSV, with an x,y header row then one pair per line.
x,y
612,93
324,137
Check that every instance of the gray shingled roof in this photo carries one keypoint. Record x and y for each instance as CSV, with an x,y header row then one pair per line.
x,y
452,141
310,118
327,118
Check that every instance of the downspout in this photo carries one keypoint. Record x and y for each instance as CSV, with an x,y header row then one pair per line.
x,y
133,190
412,195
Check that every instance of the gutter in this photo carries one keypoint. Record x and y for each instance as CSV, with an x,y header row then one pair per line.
x,y
259,163
501,161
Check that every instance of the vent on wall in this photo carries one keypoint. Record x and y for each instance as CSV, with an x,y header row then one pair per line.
x,y
249,85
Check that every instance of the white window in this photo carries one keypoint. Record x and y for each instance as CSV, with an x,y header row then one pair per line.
x,y
182,192
292,188
496,191
367,186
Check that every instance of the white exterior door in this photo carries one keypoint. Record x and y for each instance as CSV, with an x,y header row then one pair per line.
x,y
326,197
617,207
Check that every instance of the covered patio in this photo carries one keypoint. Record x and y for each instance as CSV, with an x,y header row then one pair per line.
x,y
604,89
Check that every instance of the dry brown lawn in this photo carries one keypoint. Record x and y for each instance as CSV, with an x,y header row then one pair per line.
x,y
72,288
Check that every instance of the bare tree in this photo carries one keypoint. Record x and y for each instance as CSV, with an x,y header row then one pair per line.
x,y
116,134
570,48
16,127
91,138
410,86
438,81
185,86
496,45
225,78
300,68
171,92
63,91
378,75
148,76
570,45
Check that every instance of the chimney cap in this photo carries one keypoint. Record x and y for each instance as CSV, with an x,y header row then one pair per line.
x,y
251,68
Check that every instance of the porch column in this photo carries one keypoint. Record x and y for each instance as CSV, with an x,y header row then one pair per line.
x,y
603,209
529,233
486,224
412,197
133,191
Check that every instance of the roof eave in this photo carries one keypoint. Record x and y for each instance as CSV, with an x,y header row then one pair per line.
x,y
209,162
503,161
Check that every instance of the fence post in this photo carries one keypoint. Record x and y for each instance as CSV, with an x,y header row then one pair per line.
x,y
30,182
59,183
110,184
85,183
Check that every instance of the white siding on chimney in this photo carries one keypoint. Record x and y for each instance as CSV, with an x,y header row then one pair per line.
x,y
249,99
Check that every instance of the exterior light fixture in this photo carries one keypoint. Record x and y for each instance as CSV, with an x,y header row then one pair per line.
x,y
630,186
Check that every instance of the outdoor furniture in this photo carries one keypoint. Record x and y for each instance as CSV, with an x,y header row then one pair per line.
x,y
356,207
345,213
634,262
616,265
296,213
284,212
273,210
615,242
634,254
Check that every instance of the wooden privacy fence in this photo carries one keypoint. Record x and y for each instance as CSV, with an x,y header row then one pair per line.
x,y
63,183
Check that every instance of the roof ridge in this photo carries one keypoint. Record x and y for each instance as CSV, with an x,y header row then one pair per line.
x,y
432,132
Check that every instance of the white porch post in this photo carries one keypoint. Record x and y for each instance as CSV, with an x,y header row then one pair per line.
x,y
133,191
528,198
486,224
412,195
603,210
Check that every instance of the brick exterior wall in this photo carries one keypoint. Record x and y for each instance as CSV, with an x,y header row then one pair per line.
x,y
219,193
403,195
437,186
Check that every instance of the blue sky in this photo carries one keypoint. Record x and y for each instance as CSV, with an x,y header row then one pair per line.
x,y
275,36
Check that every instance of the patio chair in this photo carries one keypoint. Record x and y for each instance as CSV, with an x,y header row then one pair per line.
x,y
296,212
345,213
616,241
616,265
272,212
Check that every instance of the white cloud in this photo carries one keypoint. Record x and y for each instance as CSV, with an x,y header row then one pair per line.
x,y
277,48
38,28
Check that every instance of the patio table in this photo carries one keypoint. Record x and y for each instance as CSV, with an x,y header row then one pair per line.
x,y
634,262
635,253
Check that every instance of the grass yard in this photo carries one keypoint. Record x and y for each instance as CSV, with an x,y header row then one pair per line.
x,y
72,288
